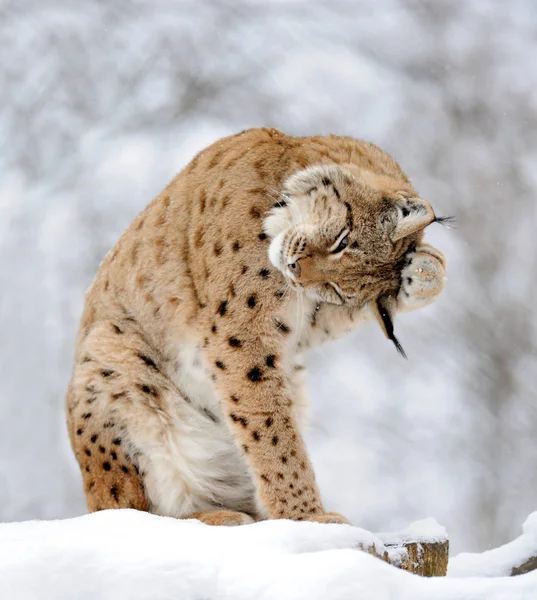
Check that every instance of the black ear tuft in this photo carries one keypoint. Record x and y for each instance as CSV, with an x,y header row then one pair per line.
x,y
446,221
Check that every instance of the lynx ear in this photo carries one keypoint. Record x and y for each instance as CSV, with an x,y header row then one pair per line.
x,y
413,214
384,310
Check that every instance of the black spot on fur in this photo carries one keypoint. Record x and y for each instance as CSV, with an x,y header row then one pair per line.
x,y
262,236
124,469
222,308
264,273
252,301
220,365
148,361
113,491
79,431
256,436
275,440
107,466
107,373
269,421
255,374
116,441
113,454
279,204
102,449
283,459
236,246
234,399
87,451
117,329
86,415
211,415
148,389
242,420
271,361
234,342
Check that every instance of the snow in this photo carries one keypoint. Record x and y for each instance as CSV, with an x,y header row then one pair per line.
x,y
103,102
500,561
128,554
425,530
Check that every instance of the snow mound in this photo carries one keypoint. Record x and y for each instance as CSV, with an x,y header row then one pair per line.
x,y
125,554
530,525
499,561
426,530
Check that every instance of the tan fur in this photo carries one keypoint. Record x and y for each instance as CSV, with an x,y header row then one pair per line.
x,y
188,391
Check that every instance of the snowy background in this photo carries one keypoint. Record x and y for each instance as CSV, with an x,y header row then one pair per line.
x,y
101,103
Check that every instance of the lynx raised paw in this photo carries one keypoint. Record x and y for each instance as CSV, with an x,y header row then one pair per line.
x,y
331,517
422,278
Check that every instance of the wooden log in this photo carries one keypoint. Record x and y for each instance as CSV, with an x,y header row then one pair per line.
x,y
525,567
423,553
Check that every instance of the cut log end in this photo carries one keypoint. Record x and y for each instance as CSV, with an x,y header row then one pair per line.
x,y
429,559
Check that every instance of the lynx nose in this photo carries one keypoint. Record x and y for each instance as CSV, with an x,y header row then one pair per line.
x,y
294,269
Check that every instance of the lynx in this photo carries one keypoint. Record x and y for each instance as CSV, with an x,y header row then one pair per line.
x,y
188,395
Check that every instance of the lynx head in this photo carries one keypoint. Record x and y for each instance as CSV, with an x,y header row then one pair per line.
x,y
341,234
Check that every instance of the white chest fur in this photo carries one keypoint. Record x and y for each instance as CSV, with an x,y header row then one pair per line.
x,y
194,462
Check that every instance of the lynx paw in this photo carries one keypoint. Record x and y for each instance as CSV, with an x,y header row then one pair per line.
x,y
422,278
331,517
222,517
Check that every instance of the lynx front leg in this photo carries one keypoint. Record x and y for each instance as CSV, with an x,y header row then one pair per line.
x,y
251,379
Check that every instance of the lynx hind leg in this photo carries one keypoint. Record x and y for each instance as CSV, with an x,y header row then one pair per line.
x,y
111,479
423,278
116,370
221,517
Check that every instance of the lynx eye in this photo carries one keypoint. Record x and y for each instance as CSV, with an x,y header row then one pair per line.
x,y
341,244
